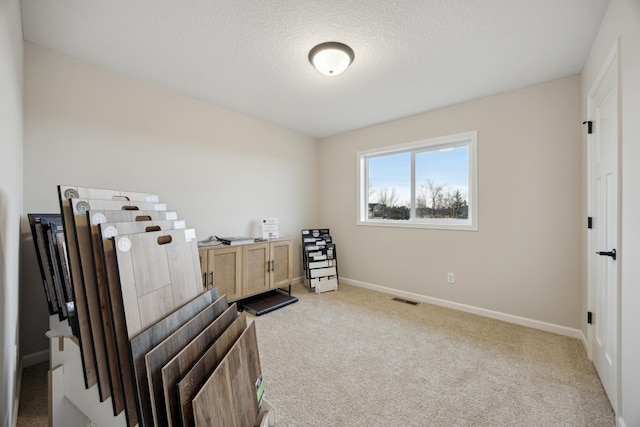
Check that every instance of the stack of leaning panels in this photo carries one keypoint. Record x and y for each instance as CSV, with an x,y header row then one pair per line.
x,y
48,240
153,338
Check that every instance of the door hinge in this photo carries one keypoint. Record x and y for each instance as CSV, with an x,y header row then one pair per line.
x,y
589,317
589,222
589,124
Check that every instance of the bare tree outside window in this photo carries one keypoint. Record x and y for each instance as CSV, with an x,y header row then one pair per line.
x,y
421,201
435,196
388,196
440,201
372,191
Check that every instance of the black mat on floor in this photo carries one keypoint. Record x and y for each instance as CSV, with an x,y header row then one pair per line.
x,y
269,301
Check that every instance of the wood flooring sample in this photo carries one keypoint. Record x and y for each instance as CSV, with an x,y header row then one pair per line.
x,y
182,362
158,357
74,192
65,194
87,352
194,379
107,275
146,340
38,234
159,271
96,296
229,397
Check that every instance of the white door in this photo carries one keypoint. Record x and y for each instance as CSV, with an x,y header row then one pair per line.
x,y
603,256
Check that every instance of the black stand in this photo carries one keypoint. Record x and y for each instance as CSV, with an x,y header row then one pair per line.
x,y
268,301
320,261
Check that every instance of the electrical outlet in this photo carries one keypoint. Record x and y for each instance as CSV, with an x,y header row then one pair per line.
x,y
451,278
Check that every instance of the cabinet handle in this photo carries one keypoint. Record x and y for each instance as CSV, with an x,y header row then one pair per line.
x,y
211,276
268,267
204,280
273,267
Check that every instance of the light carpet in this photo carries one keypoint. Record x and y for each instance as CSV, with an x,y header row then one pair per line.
x,y
356,358
34,395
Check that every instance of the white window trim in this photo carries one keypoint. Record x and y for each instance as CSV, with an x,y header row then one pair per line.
x,y
469,139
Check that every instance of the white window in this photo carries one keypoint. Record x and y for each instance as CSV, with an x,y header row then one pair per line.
x,y
424,184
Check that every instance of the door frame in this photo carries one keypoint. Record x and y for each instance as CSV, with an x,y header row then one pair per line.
x,y
612,59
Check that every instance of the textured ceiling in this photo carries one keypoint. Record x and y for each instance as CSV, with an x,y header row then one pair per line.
x,y
251,55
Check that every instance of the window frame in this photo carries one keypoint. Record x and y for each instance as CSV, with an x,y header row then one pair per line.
x,y
468,139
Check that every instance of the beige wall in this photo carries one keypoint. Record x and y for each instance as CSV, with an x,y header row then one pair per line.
x,y
525,258
622,24
222,171
10,200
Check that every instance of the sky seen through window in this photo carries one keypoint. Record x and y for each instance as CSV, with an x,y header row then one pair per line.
x,y
447,167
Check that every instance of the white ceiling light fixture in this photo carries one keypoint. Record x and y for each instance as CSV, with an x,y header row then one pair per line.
x,y
331,58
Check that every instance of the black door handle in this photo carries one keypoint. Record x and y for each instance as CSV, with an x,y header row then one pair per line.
x,y
612,254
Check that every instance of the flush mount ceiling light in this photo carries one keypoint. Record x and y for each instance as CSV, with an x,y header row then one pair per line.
x,y
331,58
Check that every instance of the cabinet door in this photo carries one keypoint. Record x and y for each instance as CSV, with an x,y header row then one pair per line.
x,y
281,260
226,266
204,269
255,273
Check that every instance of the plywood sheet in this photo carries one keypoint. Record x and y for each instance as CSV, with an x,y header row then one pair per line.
x,y
194,379
158,357
229,396
152,336
108,278
95,295
184,360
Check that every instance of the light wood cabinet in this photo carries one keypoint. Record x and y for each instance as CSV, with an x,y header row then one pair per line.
x,y
224,270
245,270
204,268
256,269
281,259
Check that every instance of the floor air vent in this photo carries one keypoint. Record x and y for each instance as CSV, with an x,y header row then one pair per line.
x,y
405,301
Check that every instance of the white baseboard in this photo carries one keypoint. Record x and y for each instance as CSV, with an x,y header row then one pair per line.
x,y
585,342
34,358
510,318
